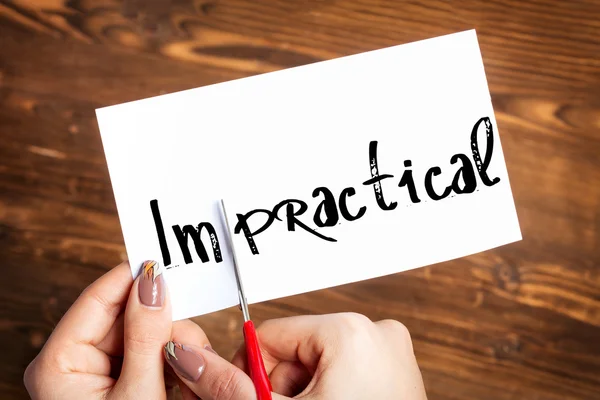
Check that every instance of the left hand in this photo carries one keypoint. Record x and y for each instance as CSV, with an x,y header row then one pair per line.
x,y
83,356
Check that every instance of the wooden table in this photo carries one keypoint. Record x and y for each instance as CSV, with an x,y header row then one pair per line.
x,y
518,322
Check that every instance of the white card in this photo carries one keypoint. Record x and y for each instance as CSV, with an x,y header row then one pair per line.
x,y
357,127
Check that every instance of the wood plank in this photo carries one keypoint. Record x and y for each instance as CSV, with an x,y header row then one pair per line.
x,y
518,322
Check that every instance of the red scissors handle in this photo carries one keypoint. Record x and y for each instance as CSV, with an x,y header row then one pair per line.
x,y
258,374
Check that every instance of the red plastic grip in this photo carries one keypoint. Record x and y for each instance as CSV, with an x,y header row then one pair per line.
x,y
258,374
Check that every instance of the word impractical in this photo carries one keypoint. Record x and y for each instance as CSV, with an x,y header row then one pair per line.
x,y
332,207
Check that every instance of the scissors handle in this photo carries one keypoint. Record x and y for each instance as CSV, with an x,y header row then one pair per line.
x,y
258,374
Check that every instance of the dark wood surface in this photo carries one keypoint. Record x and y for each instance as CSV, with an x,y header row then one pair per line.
x,y
518,322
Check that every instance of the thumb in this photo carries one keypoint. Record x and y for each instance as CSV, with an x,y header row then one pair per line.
x,y
213,377
208,375
147,328
204,372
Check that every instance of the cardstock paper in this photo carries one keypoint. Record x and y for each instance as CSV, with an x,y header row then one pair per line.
x,y
359,167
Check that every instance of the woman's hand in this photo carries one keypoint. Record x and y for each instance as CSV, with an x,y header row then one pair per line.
x,y
337,356
98,352
83,356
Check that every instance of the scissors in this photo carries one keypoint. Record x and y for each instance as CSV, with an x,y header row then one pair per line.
x,y
258,374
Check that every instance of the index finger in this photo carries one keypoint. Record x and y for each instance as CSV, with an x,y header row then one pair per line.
x,y
92,315
299,338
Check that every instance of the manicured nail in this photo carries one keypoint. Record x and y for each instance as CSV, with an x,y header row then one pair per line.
x,y
188,364
152,285
209,348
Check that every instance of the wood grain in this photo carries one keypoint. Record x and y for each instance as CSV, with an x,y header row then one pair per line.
x,y
518,322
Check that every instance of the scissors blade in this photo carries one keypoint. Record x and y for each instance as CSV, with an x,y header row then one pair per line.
x,y
238,276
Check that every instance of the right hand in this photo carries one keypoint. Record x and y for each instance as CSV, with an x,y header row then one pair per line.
x,y
336,356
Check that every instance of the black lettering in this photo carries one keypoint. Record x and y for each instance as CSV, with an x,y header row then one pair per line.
x,y
483,166
467,173
196,233
408,181
242,225
435,171
376,179
327,213
328,205
291,219
349,192
160,232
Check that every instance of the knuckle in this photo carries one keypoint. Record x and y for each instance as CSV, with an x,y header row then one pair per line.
x,y
354,321
353,329
58,359
397,333
142,341
37,375
395,327
93,295
227,385
30,375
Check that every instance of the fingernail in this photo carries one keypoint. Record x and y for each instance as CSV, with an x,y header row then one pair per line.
x,y
152,285
188,364
209,348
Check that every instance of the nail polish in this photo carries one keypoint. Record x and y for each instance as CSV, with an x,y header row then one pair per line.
x,y
184,360
152,285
